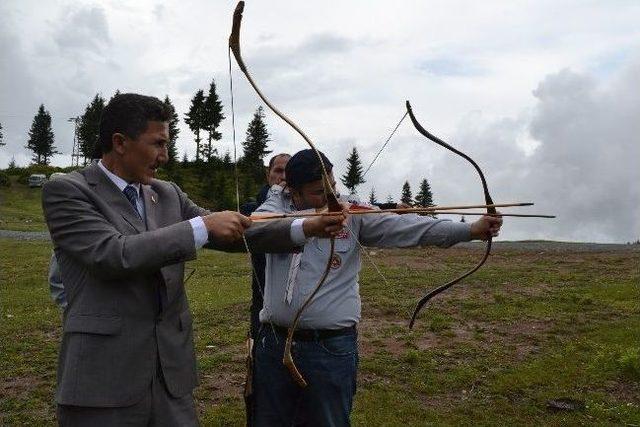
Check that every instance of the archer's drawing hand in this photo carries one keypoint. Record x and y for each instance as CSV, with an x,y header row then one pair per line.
x,y
226,226
485,227
325,226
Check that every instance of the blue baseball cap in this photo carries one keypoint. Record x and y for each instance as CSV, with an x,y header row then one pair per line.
x,y
304,168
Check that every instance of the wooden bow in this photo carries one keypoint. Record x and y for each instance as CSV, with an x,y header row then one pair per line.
x,y
332,201
490,210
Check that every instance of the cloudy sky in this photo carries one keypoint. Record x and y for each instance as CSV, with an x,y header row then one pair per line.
x,y
543,94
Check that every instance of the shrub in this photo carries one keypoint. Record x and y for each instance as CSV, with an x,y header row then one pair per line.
x,y
5,181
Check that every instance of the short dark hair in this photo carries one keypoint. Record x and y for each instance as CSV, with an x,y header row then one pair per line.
x,y
128,114
304,167
273,159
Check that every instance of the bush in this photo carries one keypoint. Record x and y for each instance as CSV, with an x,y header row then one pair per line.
x,y
5,181
23,174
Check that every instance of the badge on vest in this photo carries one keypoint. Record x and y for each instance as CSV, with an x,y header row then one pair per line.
x,y
336,262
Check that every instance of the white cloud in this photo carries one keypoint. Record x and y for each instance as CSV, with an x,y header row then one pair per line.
x,y
343,72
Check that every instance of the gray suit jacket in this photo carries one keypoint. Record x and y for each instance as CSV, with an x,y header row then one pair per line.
x,y
118,272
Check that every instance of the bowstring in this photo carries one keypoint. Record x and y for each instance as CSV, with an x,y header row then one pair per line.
x,y
406,113
368,257
362,248
254,274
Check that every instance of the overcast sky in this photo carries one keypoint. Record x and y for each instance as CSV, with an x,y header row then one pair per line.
x,y
544,95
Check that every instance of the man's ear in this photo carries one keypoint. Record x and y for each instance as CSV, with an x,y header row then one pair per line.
x,y
118,142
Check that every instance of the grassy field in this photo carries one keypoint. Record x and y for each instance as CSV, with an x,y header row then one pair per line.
x,y
21,209
529,327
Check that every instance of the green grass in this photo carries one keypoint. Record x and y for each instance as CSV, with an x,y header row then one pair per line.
x,y
526,328
21,209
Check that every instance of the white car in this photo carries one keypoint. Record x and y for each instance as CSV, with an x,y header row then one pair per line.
x,y
37,180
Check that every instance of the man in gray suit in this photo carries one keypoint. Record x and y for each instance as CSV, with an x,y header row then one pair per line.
x,y
121,238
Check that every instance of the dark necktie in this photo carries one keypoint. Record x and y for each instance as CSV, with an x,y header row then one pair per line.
x,y
131,195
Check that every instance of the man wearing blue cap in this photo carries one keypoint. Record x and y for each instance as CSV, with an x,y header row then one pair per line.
x,y
325,343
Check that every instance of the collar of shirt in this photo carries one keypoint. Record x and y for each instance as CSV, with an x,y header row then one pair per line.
x,y
119,182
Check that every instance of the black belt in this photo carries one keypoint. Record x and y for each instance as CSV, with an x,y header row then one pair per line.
x,y
312,334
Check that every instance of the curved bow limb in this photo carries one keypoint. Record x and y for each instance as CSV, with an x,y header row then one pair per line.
x,y
490,210
234,45
332,201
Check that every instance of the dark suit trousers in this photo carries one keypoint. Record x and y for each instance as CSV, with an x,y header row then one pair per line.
x,y
157,408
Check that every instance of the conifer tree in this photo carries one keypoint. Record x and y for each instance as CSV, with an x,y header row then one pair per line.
x,y
41,138
255,144
89,129
353,177
406,197
424,198
185,159
172,150
226,159
1,137
390,199
195,119
212,111
115,94
12,163
372,196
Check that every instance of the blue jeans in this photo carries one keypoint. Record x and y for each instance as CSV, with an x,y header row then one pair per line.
x,y
330,368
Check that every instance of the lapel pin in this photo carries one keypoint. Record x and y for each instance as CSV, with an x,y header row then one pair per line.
x,y
153,198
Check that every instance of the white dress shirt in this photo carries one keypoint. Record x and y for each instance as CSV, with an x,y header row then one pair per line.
x,y
200,235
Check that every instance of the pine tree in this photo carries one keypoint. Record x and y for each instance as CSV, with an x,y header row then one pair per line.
x,y
1,137
195,118
406,197
115,94
390,199
89,129
41,138
255,144
12,164
172,150
212,111
424,198
372,196
185,159
226,159
353,177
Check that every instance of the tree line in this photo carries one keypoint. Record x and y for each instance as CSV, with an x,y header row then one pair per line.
x,y
210,174
203,118
354,177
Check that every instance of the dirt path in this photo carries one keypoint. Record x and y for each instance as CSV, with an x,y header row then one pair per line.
x,y
24,235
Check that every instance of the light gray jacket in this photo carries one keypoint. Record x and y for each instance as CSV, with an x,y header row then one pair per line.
x,y
337,303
